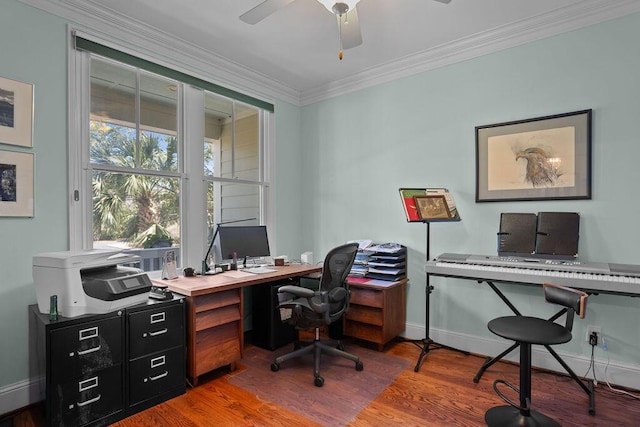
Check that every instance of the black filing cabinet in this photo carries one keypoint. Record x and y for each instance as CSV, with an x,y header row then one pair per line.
x,y
97,369
156,354
269,331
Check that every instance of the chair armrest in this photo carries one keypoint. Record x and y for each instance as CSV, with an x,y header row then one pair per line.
x,y
297,291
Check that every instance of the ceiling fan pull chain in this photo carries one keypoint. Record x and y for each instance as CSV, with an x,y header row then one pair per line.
x,y
340,36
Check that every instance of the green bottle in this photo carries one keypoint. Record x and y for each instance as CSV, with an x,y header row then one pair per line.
x,y
53,308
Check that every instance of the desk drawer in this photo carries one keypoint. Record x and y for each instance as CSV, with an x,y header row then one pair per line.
x,y
364,331
370,297
217,347
364,314
82,349
155,329
90,398
155,374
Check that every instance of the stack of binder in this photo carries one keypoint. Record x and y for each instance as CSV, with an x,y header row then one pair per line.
x,y
360,264
385,261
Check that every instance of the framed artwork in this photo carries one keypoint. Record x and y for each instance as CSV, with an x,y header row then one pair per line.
x,y
16,112
543,158
432,207
16,183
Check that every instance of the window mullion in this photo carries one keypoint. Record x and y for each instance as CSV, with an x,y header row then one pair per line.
x,y
137,115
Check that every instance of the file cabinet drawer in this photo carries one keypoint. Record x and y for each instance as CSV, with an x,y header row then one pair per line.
x,y
153,330
85,348
88,398
153,375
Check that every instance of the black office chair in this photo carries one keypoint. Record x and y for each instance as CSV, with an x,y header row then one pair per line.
x,y
526,331
311,309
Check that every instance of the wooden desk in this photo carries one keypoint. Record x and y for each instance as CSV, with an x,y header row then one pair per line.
x,y
215,314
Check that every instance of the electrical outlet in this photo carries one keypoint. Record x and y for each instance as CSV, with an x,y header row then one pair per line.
x,y
597,330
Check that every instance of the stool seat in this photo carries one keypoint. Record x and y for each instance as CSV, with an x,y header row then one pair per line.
x,y
530,330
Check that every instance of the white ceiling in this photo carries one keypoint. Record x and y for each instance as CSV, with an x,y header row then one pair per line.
x,y
297,47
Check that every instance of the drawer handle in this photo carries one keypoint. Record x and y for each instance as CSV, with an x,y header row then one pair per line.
x,y
95,399
157,377
156,333
91,350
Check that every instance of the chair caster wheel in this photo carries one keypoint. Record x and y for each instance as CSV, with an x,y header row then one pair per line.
x,y
275,367
318,381
359,366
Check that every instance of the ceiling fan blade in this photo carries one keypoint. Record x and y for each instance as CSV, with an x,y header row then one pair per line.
x,y
444,1
261,11
351,36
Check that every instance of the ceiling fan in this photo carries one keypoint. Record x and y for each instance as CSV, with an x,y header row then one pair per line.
x,y
345,11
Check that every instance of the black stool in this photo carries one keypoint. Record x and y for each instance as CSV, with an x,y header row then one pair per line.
x,y
527,331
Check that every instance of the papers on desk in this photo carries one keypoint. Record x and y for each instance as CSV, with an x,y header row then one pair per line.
x,y
388,264
259,270
384,261
235,274
391,271
388,248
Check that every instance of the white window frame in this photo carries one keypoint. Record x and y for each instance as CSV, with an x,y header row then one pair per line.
x,y
193,183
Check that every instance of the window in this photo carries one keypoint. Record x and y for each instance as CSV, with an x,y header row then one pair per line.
x,y
232,163
140,180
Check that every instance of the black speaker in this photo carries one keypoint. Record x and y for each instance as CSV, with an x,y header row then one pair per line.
x,y
269,331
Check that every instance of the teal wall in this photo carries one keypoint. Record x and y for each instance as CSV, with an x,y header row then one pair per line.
x,y
33,50
360,148
340,163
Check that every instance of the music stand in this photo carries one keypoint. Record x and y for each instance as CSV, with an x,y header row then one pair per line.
x,y
427,205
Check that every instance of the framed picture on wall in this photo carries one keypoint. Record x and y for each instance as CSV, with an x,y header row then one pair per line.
x,y
16,183
16,112
543,158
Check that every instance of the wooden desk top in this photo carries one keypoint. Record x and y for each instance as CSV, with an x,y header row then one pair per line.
x,y
201,285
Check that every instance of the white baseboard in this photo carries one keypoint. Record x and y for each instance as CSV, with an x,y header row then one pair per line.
x,y
617,373
27,392
19,395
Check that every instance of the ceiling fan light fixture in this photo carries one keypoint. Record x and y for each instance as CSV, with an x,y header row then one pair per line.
x,y
339,7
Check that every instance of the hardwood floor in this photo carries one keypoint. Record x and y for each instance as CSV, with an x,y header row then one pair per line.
x,y
442,393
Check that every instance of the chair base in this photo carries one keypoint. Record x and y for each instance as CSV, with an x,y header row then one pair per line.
x,y
317,348
508,416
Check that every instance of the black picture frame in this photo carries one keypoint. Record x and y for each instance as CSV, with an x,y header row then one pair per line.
x,y
543,158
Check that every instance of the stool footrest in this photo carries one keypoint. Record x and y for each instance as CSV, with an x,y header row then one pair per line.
x,y
506,399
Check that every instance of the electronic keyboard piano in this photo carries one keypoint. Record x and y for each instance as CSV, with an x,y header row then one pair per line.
x,y
593,277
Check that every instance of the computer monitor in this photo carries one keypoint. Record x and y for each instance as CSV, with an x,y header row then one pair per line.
x,y
245,241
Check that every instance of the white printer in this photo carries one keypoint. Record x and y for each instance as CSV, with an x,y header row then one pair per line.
x,y
88,282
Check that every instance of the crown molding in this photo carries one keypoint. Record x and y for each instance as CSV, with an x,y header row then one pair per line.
x,y
96,19
525,31
93,18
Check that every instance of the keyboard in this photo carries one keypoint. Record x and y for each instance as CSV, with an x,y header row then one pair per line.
x,y
596,277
